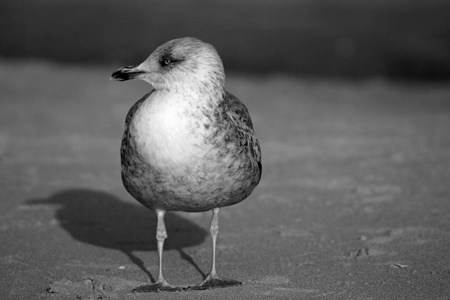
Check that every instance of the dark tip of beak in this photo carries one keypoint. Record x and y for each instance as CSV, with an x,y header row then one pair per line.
x,y
127,73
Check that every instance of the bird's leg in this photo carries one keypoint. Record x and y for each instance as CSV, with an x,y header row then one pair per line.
x,y
213,280
161,235
214,230
161,284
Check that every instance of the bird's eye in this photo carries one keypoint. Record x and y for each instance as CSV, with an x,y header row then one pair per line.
x,y
166,61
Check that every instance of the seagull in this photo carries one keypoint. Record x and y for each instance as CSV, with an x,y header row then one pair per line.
x,y
189,145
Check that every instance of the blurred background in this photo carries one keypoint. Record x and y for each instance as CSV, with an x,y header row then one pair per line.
x,y
405,39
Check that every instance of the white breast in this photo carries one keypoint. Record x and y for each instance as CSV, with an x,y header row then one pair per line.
x,y
168,130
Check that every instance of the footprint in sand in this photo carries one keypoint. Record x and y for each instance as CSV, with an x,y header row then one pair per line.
x,y
383,237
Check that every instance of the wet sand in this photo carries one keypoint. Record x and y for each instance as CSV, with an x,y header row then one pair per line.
x,y
353,202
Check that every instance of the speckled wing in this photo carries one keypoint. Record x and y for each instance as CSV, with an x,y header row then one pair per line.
x,y
239,115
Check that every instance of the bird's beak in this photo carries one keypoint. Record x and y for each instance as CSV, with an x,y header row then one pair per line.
x,y
128,73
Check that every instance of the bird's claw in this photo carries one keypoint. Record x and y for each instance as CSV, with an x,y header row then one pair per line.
x,y
212,283
158,287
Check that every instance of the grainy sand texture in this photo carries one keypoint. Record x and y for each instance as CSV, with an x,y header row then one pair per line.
x,y
353,202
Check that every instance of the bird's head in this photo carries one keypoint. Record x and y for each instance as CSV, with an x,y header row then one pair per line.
x,y
180,64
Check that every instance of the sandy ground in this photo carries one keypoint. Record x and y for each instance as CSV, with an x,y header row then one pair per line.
x,y
353,203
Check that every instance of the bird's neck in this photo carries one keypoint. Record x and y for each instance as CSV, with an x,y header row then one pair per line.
x,y
202,94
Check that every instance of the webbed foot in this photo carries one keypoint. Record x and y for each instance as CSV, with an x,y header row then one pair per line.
x,y
212,283
158,287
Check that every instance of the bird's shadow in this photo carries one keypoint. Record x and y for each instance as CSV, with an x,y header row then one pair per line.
x,y
101,219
